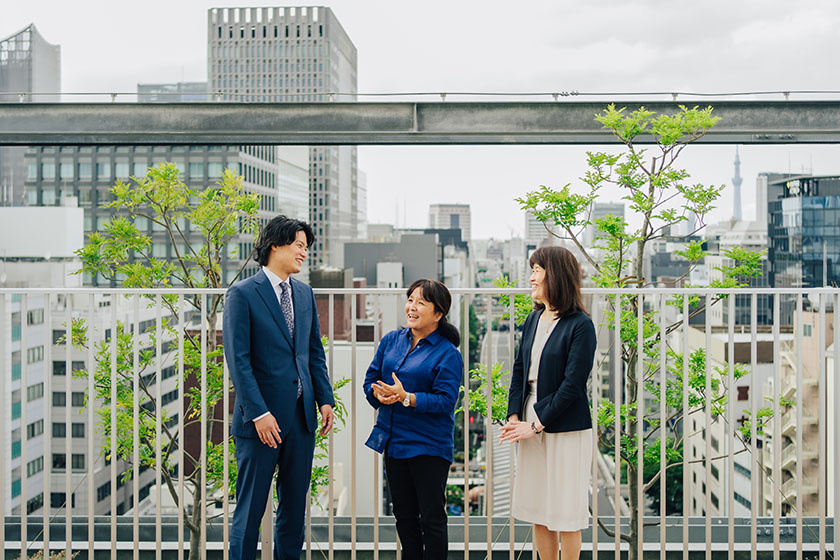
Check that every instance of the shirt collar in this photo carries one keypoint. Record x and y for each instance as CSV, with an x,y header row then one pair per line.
x,y
275,280
433,338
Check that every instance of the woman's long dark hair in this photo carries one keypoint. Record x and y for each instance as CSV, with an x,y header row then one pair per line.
x,y
438,295
561,287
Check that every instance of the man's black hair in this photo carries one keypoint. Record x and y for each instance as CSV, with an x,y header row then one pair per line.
x,y
278,232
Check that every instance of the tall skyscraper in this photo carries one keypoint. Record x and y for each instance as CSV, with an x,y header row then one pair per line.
x,y
452,216
28,64
294,54
736,188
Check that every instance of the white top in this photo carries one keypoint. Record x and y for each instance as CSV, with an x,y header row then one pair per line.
x,y
548,320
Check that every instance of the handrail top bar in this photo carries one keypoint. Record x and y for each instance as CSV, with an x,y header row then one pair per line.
x,y
455,291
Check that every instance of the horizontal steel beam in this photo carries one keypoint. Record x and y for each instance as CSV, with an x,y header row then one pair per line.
x,y
743,122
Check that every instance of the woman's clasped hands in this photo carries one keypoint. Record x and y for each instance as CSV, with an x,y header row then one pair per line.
x,y
389,394
516,430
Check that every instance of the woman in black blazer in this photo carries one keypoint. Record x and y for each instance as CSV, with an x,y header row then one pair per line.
x,y
548,411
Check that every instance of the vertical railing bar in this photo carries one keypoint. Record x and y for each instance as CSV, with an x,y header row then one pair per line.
x,y
113,403
488,472
226,455
511,359
376,488
686,428
730,422
91,403
596,386
6,420
182,442
707,462
135,417
821,338
353,424
203,424
46,442
24,366
158,424
68,396
756,478
777,423
799,402
618,387
465,344
836,427
330,485
663,434
640,421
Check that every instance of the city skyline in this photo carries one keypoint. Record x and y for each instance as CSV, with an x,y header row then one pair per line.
x,y
558,49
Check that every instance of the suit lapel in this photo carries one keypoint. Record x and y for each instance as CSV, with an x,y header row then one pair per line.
x,y
269,297
527,343
300,302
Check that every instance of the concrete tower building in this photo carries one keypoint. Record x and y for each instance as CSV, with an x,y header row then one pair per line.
x,y
736,188
295,54
451,216
28,64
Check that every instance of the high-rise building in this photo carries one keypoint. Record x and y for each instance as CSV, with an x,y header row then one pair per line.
x,y
179,92
452,216
597,211
295,54
803,212
28,65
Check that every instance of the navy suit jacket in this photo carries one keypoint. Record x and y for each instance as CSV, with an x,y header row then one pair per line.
x,y
565,364
264,363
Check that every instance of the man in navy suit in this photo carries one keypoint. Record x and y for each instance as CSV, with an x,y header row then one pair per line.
x,y
273,348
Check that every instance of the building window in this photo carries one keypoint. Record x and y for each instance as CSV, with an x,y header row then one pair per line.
x,y
196,170
85,169
65,170
35,391
59,398
16,404
48,197
59,430
807,329
59,368
57,500
140,168
121,169
742,500
78,430
743,393
35,429
35,317
741,469
47,170
32,170
78,461
59,461
715,472
34,466
35,503
78,398
103,491
35,354
103,170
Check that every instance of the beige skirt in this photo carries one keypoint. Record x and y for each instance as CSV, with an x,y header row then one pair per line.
x,y
552,481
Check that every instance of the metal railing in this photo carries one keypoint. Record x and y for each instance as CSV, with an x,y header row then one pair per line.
x,y
93,500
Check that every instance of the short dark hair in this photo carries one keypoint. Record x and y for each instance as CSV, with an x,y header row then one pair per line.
x,y
561,287
438,295
278,232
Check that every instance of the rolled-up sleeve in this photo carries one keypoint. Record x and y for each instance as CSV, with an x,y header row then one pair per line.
x,y
445,387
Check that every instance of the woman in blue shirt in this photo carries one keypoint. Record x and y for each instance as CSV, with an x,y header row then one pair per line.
x,y
414,380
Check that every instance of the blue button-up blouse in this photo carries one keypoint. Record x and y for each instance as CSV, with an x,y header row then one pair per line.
x,y
432,371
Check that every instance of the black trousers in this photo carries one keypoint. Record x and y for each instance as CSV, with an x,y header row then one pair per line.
x,y
418,491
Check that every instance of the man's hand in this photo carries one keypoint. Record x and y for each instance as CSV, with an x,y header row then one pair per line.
x,y
268,430
327,417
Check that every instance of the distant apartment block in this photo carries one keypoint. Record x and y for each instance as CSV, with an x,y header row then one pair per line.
x,y
452,216
28,64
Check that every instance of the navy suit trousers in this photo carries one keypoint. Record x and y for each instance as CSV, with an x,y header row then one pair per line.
x,y
256,463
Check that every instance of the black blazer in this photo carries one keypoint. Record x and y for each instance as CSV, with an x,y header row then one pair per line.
x,y
562,405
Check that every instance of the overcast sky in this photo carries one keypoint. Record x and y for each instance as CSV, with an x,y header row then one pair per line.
x,y
587,46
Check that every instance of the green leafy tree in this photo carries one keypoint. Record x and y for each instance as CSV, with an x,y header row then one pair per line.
x,y
661,196
203,225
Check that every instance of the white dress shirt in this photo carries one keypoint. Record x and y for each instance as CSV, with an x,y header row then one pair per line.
x,y
275,284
